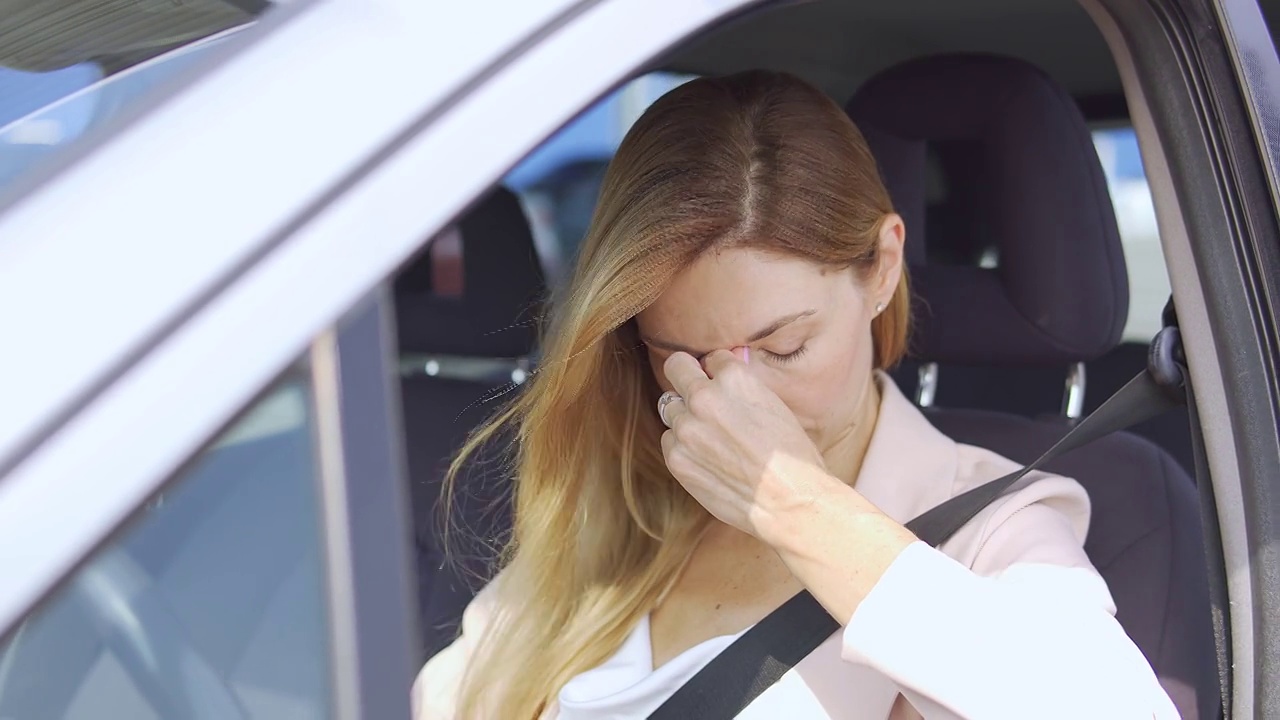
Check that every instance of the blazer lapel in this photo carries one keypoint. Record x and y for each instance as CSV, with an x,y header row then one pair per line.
x,y
910,466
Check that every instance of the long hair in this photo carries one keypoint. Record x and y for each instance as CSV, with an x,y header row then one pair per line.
x,y
601,529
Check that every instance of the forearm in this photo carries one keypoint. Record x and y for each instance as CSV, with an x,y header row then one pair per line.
x,y
835,542
1036,640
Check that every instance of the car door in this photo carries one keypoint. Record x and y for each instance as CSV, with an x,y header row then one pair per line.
x,y
203,275
1201,81
192,297
209,603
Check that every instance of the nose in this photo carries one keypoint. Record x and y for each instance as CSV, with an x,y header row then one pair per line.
x,y
742,352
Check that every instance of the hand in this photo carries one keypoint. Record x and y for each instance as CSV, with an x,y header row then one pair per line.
x,y
733,444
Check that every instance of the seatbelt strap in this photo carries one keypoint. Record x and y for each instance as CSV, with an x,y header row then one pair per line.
x,y
763,654
1141,399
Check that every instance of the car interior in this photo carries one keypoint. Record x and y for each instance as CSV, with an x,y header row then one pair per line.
x,y
979,115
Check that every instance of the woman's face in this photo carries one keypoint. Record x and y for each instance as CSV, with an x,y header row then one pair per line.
x,y
808,327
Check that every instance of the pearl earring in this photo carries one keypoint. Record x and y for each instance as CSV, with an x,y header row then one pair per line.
x,y
879,308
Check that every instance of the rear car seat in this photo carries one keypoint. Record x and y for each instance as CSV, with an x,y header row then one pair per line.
x,y
460,353
1058,295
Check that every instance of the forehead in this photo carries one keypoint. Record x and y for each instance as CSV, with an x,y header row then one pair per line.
x,y
728,294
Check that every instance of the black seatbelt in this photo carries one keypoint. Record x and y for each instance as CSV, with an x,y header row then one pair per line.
x,y
762,655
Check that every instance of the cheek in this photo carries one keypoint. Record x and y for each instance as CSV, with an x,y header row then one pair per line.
x,y
820,389
656,361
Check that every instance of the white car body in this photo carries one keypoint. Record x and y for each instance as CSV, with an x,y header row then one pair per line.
x,y
271,190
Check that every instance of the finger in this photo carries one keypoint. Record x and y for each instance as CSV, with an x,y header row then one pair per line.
x,y
675,411
668,446
677,464
684,373
719,361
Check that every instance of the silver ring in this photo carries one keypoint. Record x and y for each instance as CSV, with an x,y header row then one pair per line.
x,y
664,400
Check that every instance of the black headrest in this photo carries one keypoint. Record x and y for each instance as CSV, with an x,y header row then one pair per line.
x,y
1022,179
502,286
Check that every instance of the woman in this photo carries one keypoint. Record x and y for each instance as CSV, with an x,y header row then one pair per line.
x,y
711,432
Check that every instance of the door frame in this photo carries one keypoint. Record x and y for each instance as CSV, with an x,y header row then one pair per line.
x,y
1199,81
336,248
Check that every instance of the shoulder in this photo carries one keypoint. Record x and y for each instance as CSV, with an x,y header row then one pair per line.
x,y
435,689
912,466
1042,518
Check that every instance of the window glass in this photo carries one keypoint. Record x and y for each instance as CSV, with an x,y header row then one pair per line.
x,y
559,182
209,604
23,93
68,68
1136,215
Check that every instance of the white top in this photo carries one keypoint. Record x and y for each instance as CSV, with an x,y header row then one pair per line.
x,y
627,686
1007,619
963,626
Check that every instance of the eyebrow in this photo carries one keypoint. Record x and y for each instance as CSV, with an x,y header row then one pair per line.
x,y
761,334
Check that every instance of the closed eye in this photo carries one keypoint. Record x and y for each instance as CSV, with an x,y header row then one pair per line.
x,y
787,357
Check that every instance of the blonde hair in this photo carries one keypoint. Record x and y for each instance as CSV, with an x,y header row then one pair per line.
x,y
601,529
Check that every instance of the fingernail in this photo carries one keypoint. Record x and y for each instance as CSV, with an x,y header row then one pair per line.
x,y
746,354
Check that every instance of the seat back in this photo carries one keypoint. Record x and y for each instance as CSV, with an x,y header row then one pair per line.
x,y
1048,290
465,313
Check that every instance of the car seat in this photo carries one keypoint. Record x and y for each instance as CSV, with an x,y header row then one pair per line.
x,y
1055,295
464,342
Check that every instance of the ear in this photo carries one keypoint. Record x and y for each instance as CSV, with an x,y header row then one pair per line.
x,y
889,267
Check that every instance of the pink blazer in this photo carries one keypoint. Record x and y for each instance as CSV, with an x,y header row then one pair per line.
x,y
1008,619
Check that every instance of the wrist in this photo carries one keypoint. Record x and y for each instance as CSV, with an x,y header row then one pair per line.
x,y
791,495
835,542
